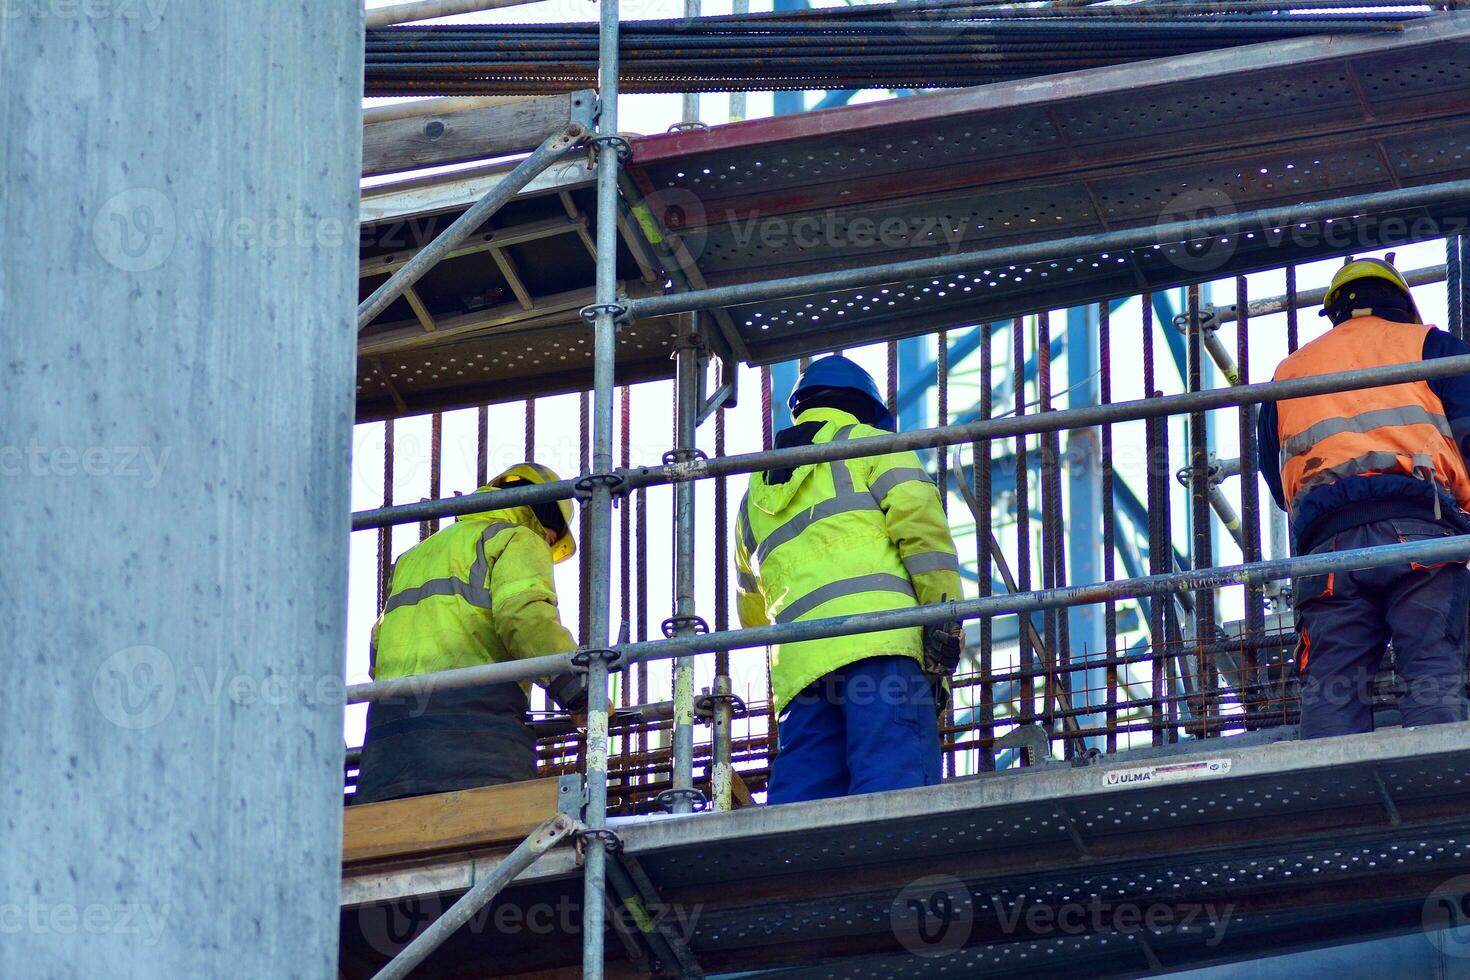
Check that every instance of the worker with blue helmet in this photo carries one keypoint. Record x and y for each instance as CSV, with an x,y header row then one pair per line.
x,y
856,714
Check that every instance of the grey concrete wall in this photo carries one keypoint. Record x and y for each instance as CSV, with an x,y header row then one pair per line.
x,y
178,199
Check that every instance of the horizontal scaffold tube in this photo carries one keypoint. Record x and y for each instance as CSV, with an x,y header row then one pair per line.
x,y
1453,548
944,435
1055,249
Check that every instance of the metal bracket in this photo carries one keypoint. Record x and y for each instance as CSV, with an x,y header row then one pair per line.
x,y
1032,738
616,483
675,624
586,108
669,797
582,658
705,704
571,795
1091,757
727,395
689,127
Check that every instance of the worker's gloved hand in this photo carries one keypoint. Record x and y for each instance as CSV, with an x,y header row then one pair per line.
x,y
943,644
569,691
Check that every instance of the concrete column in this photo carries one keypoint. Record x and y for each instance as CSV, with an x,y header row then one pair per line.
x,y
178,210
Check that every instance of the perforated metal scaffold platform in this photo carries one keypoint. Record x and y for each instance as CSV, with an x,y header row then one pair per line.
x,y
1118,868
1079,153
1076,154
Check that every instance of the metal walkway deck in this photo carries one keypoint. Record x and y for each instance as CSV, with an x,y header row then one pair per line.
x,y
1115,869
1074,154
1080,153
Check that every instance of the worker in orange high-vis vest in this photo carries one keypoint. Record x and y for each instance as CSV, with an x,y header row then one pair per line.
x,y
1375,466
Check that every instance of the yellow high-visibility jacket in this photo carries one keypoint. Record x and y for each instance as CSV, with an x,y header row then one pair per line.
x,y
475,592
856,535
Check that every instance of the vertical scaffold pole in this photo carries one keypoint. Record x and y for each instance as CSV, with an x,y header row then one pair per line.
x,y
721,761
599,540
686,408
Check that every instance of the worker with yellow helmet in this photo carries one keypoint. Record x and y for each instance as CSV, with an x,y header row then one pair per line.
x,y
1374,466
478,591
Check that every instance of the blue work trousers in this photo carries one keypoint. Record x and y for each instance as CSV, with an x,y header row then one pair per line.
x,y
1346,620
863,728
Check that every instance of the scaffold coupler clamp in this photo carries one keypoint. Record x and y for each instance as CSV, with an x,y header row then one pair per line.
x,y
706,704
670,798
689,127
619,311
582,658
1214,473
686,462
683,625
609,840
1208,320
615,142
616,483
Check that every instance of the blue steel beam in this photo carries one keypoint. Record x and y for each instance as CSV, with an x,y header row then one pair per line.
x,y
1083,522
834,99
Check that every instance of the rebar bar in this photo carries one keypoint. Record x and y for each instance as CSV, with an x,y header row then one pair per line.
x,y
1109,515
862,47
1250,489
1156,493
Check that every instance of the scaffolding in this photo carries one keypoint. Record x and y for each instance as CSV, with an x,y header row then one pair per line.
x,y
1352,146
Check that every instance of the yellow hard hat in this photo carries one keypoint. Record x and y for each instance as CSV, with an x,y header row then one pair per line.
x,y
1369,269
564,546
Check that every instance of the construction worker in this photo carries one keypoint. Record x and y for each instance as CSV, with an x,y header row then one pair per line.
x,y
857,714
478,591
1370,467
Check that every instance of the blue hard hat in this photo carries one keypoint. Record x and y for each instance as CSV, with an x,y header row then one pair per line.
x,y
838,372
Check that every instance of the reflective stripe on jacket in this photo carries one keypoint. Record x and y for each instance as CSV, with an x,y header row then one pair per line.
x,y
1399,429
853,536
475,592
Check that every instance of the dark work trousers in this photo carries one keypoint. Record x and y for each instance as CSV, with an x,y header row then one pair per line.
x,y
448,740
863,728
1347,618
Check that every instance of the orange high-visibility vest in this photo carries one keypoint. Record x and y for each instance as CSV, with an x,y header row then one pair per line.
x,y
1399,429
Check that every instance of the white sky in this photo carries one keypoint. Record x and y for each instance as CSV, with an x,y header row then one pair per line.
x,y
557,418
